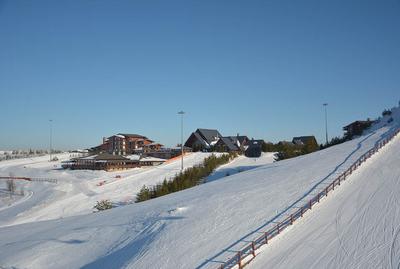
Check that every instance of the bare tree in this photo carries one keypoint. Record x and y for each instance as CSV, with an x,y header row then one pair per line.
x,y
11,187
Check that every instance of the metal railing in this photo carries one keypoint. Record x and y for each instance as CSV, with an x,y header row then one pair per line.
x,y
245,255
35,179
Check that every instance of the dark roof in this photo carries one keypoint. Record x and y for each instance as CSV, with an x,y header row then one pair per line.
x,y
240,138
227,141
255,142
285,143
358,122
208,134
133,135
303,139
200,138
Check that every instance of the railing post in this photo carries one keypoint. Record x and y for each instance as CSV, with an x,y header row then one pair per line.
x,y
291,219
301,211
266,237
277,228
239,260
319,194
310,204
253,249
326,191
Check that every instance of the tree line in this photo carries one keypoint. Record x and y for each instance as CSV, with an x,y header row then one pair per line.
x,y
185,179
287,150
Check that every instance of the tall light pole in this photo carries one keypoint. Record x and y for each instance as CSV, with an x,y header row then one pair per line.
x,y
51,137
181,113
326,122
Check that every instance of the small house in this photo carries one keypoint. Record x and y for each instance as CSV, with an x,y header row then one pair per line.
x,y
254,148
356,128
203,139
227,144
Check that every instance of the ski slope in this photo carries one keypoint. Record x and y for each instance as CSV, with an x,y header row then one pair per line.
x,y
241,164
358,226
77,191
204,225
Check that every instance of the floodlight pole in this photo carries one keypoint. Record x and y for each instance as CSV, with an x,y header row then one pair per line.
x,y
51,137
326,122
181,113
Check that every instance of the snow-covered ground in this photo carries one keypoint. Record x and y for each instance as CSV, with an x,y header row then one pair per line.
x,y
358,226
202,226
77,190
241,164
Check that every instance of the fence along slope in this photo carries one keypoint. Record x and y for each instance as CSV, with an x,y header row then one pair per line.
x,y
244,256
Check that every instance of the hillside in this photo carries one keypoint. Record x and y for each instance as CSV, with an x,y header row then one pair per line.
x,y
358,226
201,226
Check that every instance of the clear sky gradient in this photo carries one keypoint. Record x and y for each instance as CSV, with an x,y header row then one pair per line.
x,y
260,68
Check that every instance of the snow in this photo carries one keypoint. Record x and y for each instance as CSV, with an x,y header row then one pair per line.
x,y
152,159
78,191
241,164
91,157
355,227
133,157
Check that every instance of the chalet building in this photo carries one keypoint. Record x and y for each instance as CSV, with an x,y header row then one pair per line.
x,y
103,161
285,143
240,140
110,162
167,153
232,143
151,161
305,140
152,147
123,144
203,139
356,128
254,148
226,144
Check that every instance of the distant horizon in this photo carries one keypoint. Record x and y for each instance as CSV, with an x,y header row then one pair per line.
x,y
262,68
185,138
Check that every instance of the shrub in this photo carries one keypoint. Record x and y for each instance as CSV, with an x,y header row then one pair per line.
x,y
103,205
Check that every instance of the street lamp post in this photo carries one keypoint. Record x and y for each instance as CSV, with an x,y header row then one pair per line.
x,y
51,137
181,113
326,122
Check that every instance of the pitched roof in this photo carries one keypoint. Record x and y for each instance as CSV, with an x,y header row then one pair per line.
x,y
227,141
133,135
255,142
240,138
303,139
201,139
209,135
358,122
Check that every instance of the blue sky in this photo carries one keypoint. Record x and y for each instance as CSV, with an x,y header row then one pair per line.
x,y
261,68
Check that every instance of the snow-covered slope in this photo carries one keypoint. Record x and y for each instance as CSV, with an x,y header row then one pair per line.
x,y
241,164
195,228
77,190
358,226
